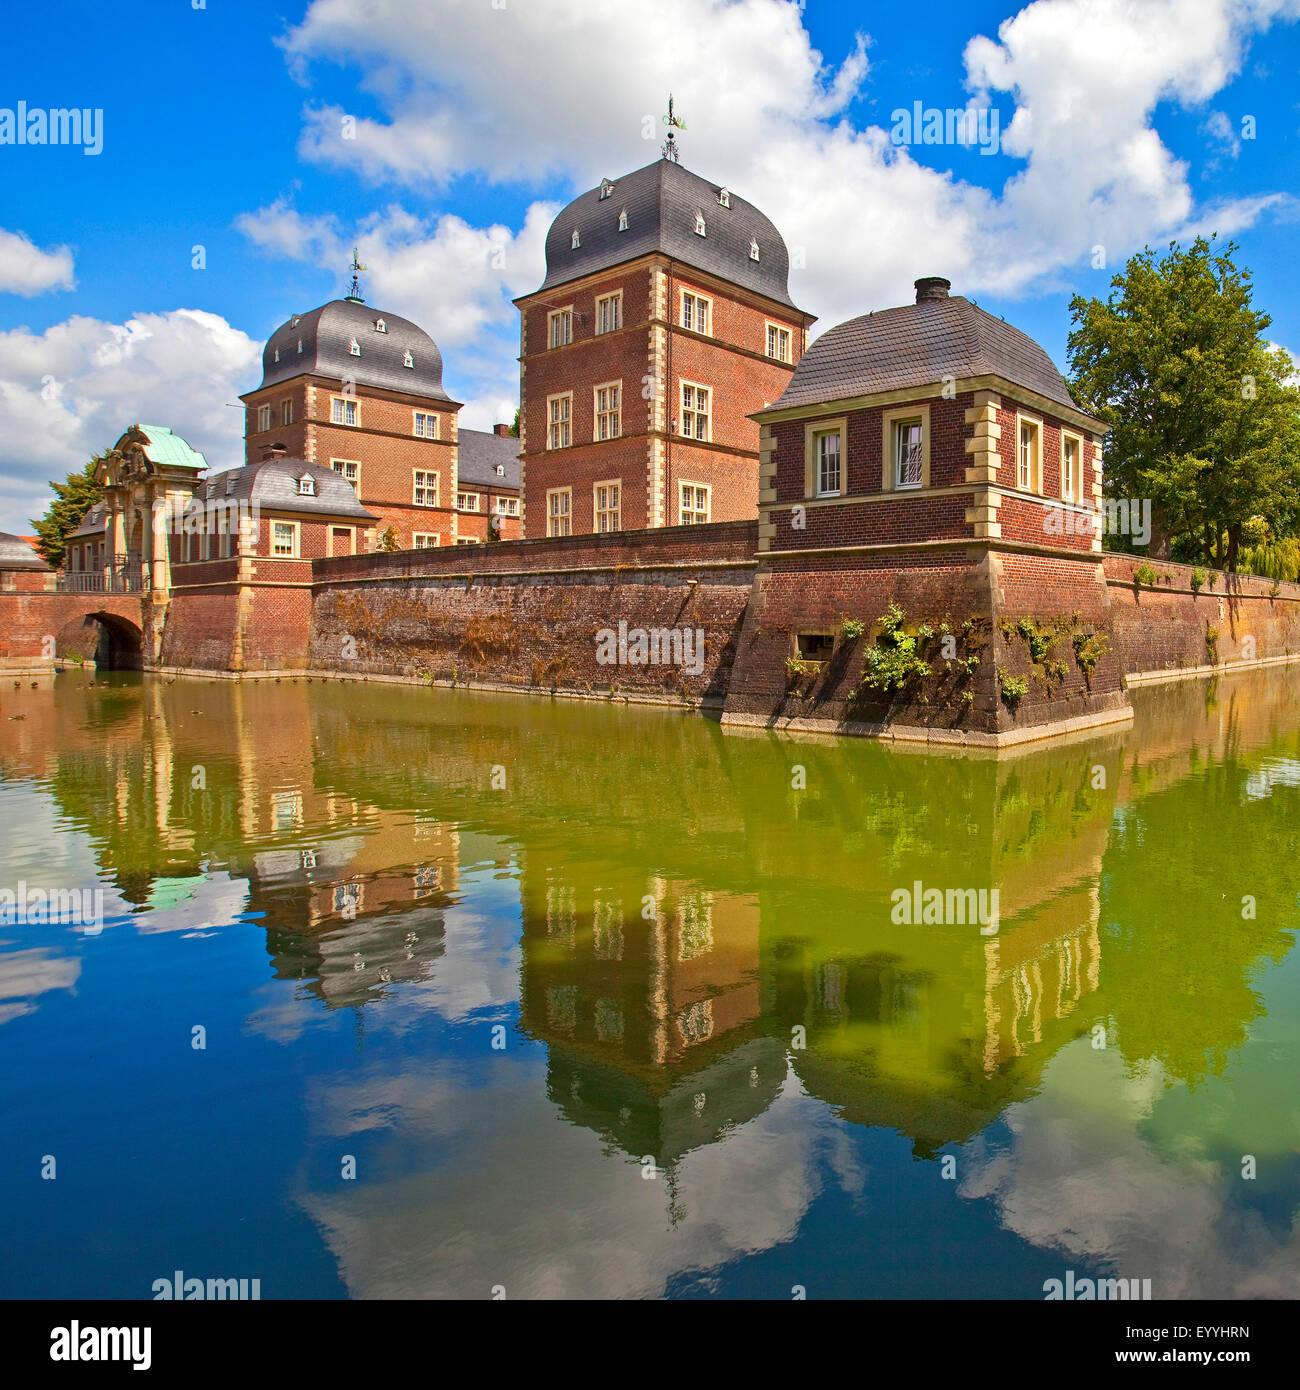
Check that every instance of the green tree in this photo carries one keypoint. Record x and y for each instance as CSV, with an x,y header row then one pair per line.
x,y
514,429
72,499
1204,413
388,541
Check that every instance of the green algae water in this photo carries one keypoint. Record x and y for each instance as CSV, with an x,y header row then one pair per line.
x,y
393,992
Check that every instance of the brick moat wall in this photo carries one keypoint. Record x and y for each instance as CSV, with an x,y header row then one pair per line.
x,y
1168,625
532,613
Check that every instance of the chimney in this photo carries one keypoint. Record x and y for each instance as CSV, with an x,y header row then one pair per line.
x,y
273,451
932,287
502,430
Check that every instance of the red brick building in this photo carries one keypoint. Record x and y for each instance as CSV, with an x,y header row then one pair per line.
x,y
663,323
360,391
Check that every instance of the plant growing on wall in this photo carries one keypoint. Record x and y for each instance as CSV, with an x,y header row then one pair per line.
x,y
1089,648
796,668
1144,575
852,628
1014,689
892,661
1212,644
1198,580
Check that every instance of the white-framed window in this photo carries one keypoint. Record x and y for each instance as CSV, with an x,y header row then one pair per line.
x,y
299,344
344,410
559,327
694,499
622,220
697,311
576,240
606,188
1029,453
354,347
424,425
407,359
609,410
697,411
284,539
466,540
307,486
607,504
559,511
424,540
609,312
349,468
286,412
700,227
1071,466
380,326
909,458
753,249
505,506
559,412
424,488
724,197
828,462
778,342
263,417
467,501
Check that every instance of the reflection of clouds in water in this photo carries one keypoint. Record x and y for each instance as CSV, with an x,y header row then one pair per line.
x,y
544,1208
204,903
478,971
1080,1178
286,1015
27,973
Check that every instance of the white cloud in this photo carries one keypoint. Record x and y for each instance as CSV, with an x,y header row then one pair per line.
x,y
27,270
68,393
467,89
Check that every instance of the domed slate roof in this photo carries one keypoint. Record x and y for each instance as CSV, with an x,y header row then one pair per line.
x,y
661,202
18,554
919,345
271,485
321,341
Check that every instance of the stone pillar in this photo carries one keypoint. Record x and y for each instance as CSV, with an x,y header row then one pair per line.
x,y
159,546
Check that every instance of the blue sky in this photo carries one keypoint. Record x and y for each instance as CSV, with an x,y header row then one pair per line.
x,y
473,121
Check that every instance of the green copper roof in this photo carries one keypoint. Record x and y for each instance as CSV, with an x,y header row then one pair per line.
x,y
165,449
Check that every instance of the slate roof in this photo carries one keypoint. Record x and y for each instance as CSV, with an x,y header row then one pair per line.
x,y
919,345
92,524
661,201
271,485
479,453
16,553
326,335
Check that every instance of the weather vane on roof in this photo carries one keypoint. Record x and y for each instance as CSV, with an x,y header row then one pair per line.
x,y
357,268
669,150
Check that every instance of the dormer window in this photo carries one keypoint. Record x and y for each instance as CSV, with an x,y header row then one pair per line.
x,y
606,188
230,481
724,197
501,470
577,240
307,486
277,354
354,348
294,322
700,229
753,249
622,220
299,344
407,359
380,326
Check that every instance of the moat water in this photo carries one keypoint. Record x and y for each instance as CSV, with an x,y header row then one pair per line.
x,y
422,993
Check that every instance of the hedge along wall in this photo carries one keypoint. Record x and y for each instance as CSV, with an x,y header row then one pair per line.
x,y
1172,627
543,613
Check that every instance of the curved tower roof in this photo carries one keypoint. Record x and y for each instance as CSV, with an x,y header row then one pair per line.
x,y
663,203
391,353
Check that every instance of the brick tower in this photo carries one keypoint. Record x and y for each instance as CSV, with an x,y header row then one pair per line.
x,y
663,323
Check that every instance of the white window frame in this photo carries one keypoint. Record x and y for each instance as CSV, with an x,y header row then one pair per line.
x,y
820,437
295,529
697,299
891,420
611,417
779,329
1034,465
693,511
422,431
695,413
616,300
559,327
506,506
552,423
559,523
354,465
307,485
599,513
466,540
425,540
1074,494
264,417
467,501
417,487
339,407
286,412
